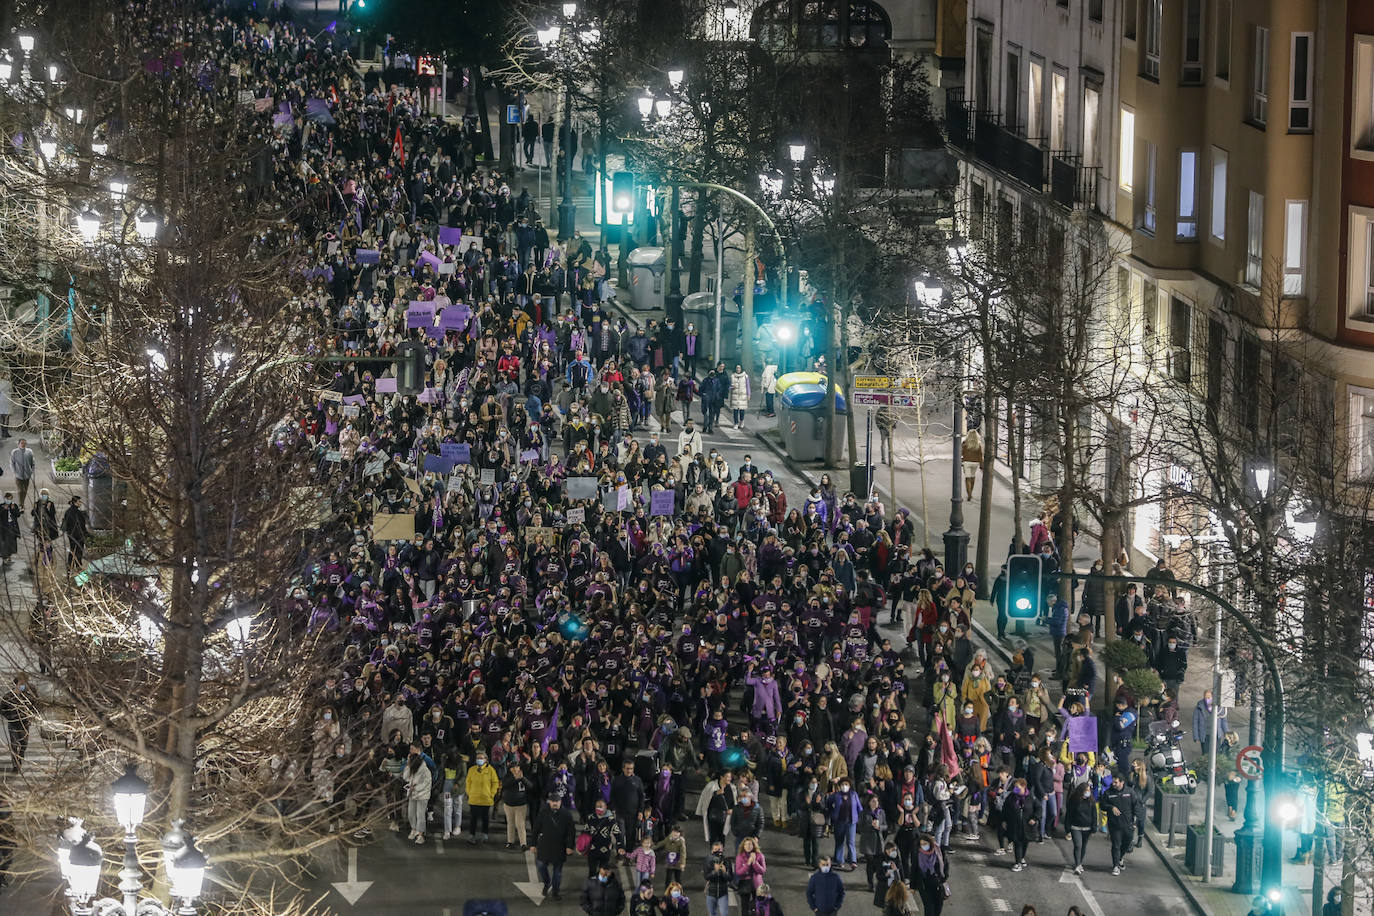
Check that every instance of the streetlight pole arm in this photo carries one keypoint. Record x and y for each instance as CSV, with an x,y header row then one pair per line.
x,y
767,220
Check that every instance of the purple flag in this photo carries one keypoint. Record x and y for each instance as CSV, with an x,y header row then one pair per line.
x,y
449,235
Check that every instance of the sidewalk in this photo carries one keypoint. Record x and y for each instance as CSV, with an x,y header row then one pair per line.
x,y
1214,898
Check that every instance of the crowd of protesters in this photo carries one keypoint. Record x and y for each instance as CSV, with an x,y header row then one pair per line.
x,y
588,611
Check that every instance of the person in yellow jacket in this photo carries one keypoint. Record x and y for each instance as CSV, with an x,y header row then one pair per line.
x,y
975,689
483,785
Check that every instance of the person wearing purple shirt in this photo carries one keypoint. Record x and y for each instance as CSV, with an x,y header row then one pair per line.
x,y
767,701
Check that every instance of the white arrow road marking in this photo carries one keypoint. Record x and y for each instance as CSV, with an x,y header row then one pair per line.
x,y
1068,877
352,889
532,888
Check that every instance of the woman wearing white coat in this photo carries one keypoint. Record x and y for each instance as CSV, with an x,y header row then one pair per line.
x,y
739,394
419,782
770,388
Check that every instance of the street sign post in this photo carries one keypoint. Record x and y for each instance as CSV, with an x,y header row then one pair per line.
x,y
872,399
872,382
1250,763
512,114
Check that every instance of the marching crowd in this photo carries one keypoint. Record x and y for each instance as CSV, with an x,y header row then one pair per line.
x,y
574,616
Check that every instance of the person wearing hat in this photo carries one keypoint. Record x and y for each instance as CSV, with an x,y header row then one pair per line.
x,y
75,527
552,841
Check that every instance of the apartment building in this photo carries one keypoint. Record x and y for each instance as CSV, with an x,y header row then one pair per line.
x,y
1229,146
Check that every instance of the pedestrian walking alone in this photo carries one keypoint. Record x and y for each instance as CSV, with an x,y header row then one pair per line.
x,y
21,466
76,528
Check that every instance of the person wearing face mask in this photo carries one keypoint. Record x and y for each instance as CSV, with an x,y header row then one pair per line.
x,y
719,872
811,819
45,526
824,890
483,785
845,812
418,783
18,713
1172,662
930,876
602,894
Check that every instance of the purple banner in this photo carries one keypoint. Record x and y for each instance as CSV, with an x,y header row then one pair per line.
x,y
367,256
454,317
420,315
439,464
428,257
661,502
386,386
355,399
450,235
1081,732
450,449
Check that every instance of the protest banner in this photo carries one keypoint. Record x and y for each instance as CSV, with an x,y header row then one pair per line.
x,y
576,516
419,315
1081,732
438,464
662,501
450,235
374,467
386,386
487,477
393,527
581,487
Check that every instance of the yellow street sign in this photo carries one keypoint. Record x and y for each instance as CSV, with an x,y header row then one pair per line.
x,y
872,381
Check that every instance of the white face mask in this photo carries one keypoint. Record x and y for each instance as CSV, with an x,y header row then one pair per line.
x,y
825,868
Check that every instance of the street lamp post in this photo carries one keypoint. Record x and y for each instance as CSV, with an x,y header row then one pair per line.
x,y
80,859
956,538
563,38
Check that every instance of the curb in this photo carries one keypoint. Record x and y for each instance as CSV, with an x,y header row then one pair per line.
x,y
1176,873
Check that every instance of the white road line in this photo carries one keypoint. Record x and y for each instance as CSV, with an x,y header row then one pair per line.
x,y
438,846
1068,877
988,881
1000,906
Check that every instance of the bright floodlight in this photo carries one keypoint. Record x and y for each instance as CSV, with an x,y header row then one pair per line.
x,y
646,104
26,43
52,73
130,797
675,77
796,151
771,184
662,107
1023,603
239,629
826,185
158,361
1287,811
118,188
88,223
785,333
569,10
1264,476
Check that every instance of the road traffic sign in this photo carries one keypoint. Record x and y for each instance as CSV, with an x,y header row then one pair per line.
x,y
512,114
872,398
906,400
872,381
908,382
1250,763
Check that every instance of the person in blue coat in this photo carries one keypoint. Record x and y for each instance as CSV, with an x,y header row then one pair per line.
x,y
1202,722
825,890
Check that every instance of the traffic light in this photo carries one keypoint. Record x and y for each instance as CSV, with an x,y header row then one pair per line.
x,y
410,368
623,192
1024,590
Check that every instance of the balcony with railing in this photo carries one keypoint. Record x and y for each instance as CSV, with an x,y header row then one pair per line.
x,y
1074,185
1000,146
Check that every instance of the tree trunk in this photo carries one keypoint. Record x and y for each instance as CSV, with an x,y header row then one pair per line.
x,y
832,359
980,565
746,310
852,439
698,237
484,147
1015,445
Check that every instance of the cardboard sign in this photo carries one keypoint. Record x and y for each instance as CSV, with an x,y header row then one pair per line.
x,y
325,394
438,464
581,487
1081,732
529,456
393,527
577,516
461,452
333,455
534,534
374,467
430,258
610,501
623,498
661,502
450,450
386,386
412,485
428,396
434,333
367,256
355,399
351,410
487,477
